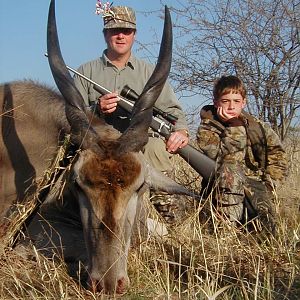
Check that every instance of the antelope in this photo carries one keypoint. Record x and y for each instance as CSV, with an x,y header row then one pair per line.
x,y
93,222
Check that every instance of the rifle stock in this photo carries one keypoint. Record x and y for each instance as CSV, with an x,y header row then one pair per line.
x,y
201,163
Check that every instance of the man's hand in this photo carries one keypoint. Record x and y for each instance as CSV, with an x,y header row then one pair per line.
x,y
108,102
177,140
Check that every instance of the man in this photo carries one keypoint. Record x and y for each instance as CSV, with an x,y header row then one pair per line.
x,y
250,157
118,67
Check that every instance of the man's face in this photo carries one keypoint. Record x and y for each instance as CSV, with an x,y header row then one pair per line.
x,y
119,40
231,105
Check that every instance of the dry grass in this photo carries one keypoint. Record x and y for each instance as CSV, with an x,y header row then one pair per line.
x,y
197,260
10,228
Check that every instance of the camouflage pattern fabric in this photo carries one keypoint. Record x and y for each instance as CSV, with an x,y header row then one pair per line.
x,y
120,17
229,191
211,134
172,208
241,180
259,197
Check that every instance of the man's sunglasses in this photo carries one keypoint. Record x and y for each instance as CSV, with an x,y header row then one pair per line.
x,y
125,31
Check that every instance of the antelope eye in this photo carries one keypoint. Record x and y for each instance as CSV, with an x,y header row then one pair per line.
x,y
120,181
89,182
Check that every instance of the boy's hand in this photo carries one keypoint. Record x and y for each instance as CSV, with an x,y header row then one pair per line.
x,y
223,115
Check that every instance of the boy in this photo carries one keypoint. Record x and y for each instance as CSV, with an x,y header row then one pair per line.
x,y
249,155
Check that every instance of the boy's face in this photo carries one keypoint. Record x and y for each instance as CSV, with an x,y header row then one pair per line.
x,y
230,105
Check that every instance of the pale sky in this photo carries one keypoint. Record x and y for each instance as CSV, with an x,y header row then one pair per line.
x,y
23,34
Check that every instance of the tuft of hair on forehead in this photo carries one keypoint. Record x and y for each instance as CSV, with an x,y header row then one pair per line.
x,y
111,171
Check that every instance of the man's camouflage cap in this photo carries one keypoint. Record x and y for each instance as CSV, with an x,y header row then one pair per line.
x,y
121,17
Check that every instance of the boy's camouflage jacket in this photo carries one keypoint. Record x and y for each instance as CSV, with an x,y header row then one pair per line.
x,y
244,140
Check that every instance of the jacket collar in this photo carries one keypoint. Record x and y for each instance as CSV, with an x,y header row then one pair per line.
x,y
130,63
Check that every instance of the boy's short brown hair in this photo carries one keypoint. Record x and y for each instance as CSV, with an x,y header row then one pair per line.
x,y
227,84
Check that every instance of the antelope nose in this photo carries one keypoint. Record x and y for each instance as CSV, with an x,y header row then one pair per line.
x,y
121,285
119,288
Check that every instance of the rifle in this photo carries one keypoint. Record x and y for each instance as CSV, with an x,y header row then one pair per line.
x,y
201,163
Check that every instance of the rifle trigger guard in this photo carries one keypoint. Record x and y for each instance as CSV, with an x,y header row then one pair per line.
x,y
161,125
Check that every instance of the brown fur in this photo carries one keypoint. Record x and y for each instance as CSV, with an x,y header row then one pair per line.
x,y
107,180
30,133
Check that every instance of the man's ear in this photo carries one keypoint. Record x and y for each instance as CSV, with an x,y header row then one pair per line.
x,y
105,35
215,103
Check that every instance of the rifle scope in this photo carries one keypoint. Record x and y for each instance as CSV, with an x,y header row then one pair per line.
x,y
132,95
